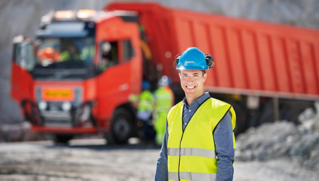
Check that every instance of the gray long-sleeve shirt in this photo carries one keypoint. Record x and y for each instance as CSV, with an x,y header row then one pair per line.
x,y
223,136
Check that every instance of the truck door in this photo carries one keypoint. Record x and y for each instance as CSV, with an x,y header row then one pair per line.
x,y
120,64
22,62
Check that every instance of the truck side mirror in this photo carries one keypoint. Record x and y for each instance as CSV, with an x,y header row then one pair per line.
x,y
23,53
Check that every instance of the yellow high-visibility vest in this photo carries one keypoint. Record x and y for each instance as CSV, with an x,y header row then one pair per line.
x,y
191,154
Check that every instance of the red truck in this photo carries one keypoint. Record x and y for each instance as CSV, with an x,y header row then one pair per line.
x,y
77,75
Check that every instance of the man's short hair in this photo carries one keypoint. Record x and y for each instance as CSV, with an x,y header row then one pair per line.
x,y
204,71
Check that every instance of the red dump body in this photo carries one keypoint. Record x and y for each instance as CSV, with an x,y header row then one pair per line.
x,y
250,57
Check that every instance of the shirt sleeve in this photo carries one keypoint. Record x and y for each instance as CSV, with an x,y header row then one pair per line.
x,y
223,136
161,173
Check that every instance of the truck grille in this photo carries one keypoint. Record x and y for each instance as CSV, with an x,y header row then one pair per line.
x,y
54,115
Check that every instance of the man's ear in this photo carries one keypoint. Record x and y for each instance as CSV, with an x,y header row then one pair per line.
x,y
205,76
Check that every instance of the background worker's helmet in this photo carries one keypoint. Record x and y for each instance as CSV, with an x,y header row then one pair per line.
x,y
194,59
106,46
146,85
163,81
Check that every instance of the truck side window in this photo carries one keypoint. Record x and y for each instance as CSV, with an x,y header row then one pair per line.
x,y
109,54
128,50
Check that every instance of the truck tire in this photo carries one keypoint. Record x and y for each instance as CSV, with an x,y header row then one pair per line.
x,y
62,139
121,127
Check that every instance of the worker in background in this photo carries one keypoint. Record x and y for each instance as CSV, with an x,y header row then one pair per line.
x,y
70,53
106,55
199,141
164,100
144,111
87,53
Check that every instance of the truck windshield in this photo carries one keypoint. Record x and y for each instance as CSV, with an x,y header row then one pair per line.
x,y
63,58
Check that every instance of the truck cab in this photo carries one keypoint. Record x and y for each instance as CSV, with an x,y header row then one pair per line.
x,y
76,76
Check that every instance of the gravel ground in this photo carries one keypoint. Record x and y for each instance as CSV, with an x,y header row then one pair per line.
x,y
91,159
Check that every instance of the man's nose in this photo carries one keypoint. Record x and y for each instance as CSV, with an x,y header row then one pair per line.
x,y
189,79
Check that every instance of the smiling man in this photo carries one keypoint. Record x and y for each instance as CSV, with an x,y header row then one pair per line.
x,y
199,141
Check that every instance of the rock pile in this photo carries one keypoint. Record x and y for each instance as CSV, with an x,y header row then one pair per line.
x,y
283,140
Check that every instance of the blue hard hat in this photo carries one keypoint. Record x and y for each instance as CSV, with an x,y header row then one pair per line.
x,y
146,85
192,59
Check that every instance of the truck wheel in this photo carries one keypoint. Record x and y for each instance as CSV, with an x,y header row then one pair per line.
x,y
62,138
121,127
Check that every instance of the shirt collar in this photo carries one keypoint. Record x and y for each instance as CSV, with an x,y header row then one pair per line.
x,y
197,101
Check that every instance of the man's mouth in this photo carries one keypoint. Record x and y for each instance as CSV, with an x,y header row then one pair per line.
x,y
190,87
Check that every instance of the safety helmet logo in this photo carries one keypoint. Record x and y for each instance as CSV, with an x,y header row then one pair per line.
x,y
188,61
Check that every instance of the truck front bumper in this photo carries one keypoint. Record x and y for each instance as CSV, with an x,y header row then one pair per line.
x,y
74,130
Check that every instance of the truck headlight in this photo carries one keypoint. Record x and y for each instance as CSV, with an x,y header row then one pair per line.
x,y
42,105
66,106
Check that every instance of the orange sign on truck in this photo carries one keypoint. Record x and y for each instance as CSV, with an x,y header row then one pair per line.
x,y
57,94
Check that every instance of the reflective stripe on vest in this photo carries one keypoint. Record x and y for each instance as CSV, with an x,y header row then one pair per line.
x,y
146,104
191,153
192,176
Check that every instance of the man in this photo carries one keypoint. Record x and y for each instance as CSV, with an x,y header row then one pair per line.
x,y
199,141
70,54
87,53
106,54
144,111
164,99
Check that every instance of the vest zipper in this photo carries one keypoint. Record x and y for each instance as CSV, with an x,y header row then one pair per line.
x,y
179,160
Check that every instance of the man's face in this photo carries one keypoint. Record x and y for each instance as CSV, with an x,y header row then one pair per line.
x,y
192,82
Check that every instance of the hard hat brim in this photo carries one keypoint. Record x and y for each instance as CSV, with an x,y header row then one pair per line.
x,y
180,67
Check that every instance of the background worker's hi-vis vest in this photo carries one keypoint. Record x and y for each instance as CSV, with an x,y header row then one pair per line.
x,y
146,101
164,100
191,154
